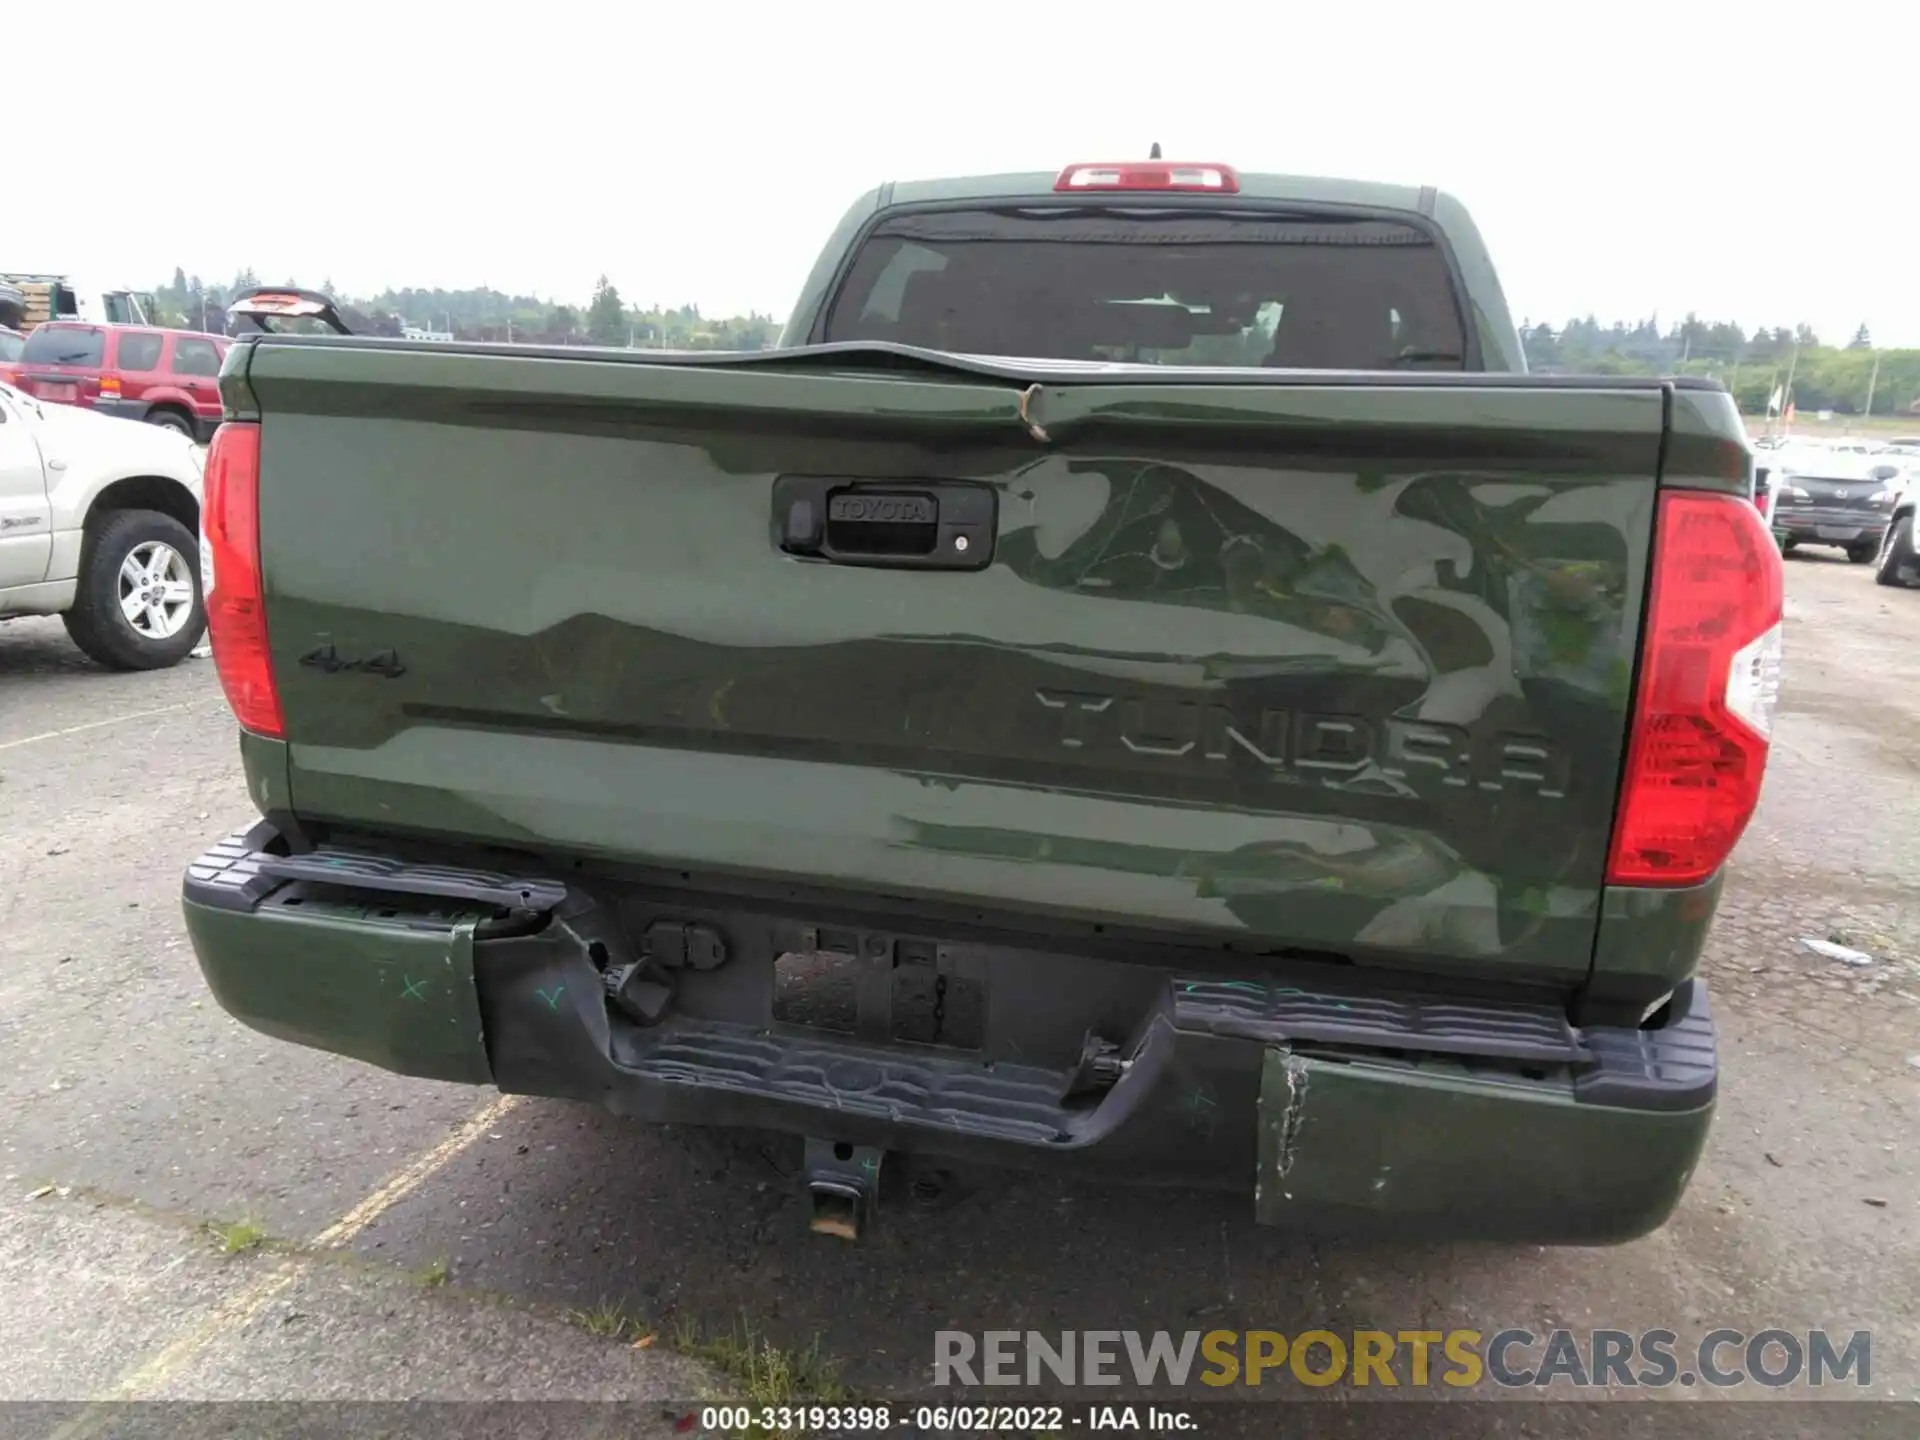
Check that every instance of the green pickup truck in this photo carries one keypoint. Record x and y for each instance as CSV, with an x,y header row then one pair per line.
x,y
1140,684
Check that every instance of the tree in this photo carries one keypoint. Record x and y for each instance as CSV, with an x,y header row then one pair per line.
x,y
562,323
1861,339
1541,346
606,316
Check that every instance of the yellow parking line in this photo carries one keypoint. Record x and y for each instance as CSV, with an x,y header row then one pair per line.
x,y
238,1309
410,1179
94,725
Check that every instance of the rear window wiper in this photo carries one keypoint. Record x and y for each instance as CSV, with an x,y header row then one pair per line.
x,y
1415,357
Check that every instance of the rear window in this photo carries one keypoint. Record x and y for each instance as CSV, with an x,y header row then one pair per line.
x,y
1157,289
64,345
195,357
140,352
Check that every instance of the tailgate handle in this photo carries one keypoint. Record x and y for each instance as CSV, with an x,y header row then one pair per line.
x,y
900,525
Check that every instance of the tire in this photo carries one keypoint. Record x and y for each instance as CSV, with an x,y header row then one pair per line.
x,y
1862,554
1897,561
171,420
123,551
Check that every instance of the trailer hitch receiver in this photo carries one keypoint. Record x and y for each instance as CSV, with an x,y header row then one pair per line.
x,y
843,1185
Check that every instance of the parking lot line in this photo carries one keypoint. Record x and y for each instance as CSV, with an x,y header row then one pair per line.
x,y
349,1225
95,725
238,1309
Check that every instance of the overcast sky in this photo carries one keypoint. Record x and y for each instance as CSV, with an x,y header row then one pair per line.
x,y
1621,158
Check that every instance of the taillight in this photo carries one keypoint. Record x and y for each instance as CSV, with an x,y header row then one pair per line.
x,y
1150,175
230,579
1709,680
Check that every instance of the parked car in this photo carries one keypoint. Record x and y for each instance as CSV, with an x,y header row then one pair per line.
x,y
1834,497
98,524
1898,562
985,727
12,342
168,378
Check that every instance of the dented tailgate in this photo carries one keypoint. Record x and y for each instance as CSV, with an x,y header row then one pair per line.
x,y
1302,663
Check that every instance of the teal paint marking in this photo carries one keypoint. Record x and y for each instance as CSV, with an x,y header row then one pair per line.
x,y
870,1165
553,1000
1200,1108
416,989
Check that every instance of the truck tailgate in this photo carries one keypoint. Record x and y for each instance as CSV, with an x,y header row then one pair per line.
x,y
1304,662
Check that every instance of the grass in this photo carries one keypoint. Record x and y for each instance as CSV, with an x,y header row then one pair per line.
x,y
761,1373
236,1237
753,1370
433,1275
606,1321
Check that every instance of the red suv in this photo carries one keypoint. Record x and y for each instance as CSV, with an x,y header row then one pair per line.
x,y
165,377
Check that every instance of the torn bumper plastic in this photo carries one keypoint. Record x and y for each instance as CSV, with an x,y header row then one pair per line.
x,y
1339,1102
1379,1145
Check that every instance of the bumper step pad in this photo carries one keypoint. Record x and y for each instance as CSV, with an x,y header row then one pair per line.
x,y
1672,1067
1278,1014
1022,1104
242,870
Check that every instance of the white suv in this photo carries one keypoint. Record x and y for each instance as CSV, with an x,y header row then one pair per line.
x,y
99,524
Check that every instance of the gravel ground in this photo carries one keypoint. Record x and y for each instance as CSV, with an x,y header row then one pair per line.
x,y
151,1114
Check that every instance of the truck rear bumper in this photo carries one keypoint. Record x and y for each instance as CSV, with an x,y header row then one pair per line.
x,y
1344,1099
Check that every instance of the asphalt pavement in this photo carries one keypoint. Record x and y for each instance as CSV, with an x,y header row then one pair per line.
x,y
403,1238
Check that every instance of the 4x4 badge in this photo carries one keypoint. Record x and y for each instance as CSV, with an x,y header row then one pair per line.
x,y
326,659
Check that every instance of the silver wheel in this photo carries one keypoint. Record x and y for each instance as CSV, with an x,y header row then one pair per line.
x,y
156,590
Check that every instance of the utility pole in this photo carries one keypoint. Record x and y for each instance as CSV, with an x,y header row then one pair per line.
x,y
1786,402
1873,383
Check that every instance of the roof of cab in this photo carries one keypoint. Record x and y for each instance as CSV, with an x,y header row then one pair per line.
x,y
1308,188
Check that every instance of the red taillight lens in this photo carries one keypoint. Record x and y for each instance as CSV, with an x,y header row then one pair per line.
x,y
1709,678
230,578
